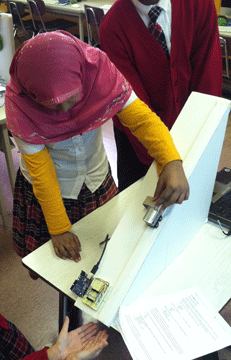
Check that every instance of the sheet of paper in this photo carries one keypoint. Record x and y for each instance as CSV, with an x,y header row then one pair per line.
x,y
180,326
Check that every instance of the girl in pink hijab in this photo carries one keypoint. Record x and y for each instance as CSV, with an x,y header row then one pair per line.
x,y
60,93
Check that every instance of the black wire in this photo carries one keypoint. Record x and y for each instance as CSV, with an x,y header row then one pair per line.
x,y
220,226
105,241
95,267
225,233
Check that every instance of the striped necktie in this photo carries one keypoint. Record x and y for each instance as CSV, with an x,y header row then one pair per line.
x,y
156,29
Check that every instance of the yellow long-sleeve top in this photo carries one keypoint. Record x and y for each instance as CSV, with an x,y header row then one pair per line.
x,y
143,123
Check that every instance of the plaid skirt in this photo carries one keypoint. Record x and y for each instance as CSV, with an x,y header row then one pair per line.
x,y
13,344
29,226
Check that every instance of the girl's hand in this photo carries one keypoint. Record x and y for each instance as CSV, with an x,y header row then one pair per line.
x,y
92,347
67,245
172,187
81,343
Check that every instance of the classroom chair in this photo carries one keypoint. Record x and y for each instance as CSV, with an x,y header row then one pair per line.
x,y
17,11
38,8
94,16
224,50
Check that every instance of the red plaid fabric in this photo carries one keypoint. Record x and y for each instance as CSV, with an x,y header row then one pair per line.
x,y
13,344
156,29
3,323
29,225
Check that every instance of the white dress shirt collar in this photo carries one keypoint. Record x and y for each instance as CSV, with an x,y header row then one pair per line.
x,y
144,9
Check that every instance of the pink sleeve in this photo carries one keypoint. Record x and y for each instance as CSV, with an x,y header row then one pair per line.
x,y
38,355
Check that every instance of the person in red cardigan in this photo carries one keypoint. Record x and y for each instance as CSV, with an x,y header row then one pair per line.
x,y
163,83
82,343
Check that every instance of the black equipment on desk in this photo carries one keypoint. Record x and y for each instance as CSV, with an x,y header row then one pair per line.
x,y
220,208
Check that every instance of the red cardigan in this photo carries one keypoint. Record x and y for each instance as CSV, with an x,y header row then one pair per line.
x,y
38,355
195,64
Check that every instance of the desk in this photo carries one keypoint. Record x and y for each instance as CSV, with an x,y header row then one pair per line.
x,y
98,225
77,10
224,33
199,264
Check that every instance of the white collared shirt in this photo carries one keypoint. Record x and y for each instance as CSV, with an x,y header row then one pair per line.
x,y
80,159
164,19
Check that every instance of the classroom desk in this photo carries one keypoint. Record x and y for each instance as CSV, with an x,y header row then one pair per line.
x,y
204,263
76,10
224,33
98,225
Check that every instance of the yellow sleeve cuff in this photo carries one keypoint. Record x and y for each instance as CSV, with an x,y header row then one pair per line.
x,y
150,131
47,191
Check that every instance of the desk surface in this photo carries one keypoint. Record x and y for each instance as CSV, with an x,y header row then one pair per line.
x,y
224,33
47,265
80,5
75,9
204,263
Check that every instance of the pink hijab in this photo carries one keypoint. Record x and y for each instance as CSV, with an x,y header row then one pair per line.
x,y
54,67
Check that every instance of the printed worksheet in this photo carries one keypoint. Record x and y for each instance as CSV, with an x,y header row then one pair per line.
x,y
181,326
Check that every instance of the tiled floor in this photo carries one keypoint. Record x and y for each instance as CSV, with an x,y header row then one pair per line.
x,y
33,305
